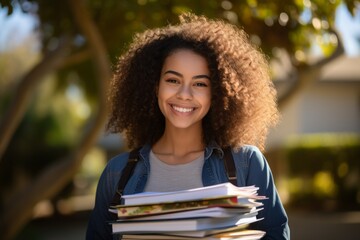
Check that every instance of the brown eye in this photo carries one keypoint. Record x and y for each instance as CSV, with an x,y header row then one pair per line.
x,y
201,84
171,80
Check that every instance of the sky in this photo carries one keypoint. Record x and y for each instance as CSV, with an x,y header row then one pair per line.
x,y
18,26
349,27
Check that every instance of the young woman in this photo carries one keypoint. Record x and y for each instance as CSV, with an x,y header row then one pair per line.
x,y
183,93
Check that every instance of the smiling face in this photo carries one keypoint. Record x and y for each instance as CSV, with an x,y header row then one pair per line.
x,y
184,93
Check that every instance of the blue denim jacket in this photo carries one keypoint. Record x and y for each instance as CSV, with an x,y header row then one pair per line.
x,y
251,168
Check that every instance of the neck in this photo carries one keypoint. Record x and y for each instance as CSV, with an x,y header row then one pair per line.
x,y
179,145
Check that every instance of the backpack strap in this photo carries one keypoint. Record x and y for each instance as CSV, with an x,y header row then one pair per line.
x,y
230,166
125,176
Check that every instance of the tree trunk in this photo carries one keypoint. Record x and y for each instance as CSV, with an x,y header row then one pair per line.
x,y
20,208
21,97
308,74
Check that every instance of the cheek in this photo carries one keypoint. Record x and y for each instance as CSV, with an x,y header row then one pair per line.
x,y
207,98
162,95
166,92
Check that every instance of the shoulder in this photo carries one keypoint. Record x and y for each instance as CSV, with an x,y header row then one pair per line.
x,y
247,154
248,149
117,163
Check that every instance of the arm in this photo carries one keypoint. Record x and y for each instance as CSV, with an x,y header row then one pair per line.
x,y
98,226
275,222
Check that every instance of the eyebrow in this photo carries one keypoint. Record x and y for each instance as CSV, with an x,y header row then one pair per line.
x,y
180,75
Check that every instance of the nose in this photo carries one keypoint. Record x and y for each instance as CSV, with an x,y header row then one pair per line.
x,y
184,92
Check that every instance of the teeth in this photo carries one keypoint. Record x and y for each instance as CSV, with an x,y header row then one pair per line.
x,y
183,110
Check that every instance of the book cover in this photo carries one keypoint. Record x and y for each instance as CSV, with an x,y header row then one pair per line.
x,y
181,225
127,211
238,235
190,194
210,232
215,212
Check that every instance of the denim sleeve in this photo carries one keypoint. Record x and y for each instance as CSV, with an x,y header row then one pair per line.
x,y
275,222
99,227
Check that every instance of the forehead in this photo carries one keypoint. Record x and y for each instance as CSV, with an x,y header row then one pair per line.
x,y
184,59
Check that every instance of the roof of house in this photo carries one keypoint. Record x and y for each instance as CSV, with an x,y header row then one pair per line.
x,y
344,68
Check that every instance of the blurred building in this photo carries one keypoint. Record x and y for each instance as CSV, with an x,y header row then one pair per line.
x,y
330,103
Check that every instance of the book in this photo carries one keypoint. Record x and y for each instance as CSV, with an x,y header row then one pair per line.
x,y
129,211
207,212
181,225
215,212
234,235
190,194
208,232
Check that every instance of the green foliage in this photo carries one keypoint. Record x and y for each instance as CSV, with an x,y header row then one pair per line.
x,y
324,172
278,23
273,21
47,133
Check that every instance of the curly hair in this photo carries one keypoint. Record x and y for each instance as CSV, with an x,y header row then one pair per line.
x,y
243,103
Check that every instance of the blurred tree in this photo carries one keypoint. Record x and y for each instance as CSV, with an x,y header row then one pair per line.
x,y
17,209
76,34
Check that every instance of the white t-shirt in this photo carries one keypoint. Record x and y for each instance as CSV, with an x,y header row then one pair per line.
x,y
165,177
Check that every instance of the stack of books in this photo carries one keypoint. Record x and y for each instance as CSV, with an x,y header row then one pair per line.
x,y
221,211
